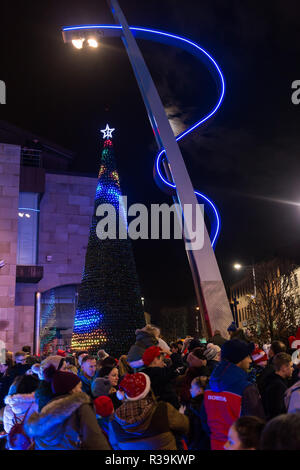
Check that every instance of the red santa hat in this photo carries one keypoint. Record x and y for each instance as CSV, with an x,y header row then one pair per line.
x,y
136,386
259,356
294,341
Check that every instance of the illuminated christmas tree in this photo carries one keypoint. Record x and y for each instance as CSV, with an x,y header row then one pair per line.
x,y
109,306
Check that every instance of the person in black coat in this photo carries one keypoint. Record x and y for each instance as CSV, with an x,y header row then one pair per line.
x,y
176,357
276,386
162,377
262,379
198,439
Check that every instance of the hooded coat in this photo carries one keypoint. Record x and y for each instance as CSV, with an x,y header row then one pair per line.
x,y
146,425
67,422
16,407
144,340
228,396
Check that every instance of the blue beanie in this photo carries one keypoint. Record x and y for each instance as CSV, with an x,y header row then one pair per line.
x,y
235,350
232,327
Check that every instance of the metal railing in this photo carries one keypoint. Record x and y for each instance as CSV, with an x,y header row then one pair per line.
x,y
31,157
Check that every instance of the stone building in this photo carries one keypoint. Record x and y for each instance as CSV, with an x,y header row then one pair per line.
x,y
45,214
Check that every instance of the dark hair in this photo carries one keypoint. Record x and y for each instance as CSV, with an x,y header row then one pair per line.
x,y
20,353
179,342
198,352
81,352
281,359
106,370
87,358
249,429
26,384
26,349
278,347
201,381
70,360
174,345
282,433
109,361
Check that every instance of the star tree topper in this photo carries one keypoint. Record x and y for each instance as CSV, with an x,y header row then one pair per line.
x,y
107,132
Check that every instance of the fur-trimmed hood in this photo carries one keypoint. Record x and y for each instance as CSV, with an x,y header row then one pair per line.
x,y
20,402
54,414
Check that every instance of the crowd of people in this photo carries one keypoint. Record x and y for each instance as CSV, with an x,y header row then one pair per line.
x,y
193,394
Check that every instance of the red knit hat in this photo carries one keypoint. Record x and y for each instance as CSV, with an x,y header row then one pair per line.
x,y
150,354
63,382
136,386
61,353
104,406
259,356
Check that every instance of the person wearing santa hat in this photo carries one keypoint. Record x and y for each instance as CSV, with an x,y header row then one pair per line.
x,y
162,377
142,423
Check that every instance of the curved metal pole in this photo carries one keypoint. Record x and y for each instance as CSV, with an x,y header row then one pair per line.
x,y
210,285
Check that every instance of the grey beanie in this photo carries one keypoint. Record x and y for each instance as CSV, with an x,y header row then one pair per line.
x,y
100,386
211,351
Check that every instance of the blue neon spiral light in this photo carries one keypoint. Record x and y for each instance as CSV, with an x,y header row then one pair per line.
x,y
216,224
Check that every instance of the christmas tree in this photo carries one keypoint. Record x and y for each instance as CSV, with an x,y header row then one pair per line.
x,y
109,306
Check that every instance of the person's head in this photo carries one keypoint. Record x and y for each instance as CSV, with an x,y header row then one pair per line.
x,y
135,386
174,348
57,361
180,345
283,365
194,343
25,384
153,357
27,349
196,358
212,352
20,357
88,366
245,433
282,433
276,347
197,386
217,333
62,382
231,329
238,352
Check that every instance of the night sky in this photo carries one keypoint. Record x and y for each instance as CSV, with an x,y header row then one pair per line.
x,y
247,159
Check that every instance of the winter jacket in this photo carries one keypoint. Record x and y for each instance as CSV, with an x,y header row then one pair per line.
x,y
143,341
292,398
273,399
67,422
146,425
228,396
198,439
16,407
162,384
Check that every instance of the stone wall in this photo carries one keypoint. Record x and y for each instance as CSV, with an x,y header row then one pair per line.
x,y
9,199
65,214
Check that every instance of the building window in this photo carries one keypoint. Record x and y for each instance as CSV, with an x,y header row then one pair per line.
x,y
28,223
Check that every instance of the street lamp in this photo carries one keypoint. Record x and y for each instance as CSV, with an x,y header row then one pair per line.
x,y
209,287
239,266
251,267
